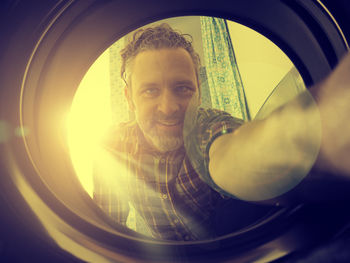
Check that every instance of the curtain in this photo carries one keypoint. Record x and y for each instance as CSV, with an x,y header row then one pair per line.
x,y
119,104
224,80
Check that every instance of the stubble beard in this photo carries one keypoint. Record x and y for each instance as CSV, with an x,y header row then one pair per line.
x,y
162,141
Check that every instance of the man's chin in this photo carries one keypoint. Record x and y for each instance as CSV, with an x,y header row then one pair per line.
x,y
167,143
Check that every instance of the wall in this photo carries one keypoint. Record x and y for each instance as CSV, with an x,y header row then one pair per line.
x,y
261,63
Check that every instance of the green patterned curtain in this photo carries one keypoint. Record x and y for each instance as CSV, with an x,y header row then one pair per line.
x,y
224,80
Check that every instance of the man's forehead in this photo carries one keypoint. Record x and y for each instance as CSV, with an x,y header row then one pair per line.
x,y
176,62
175,53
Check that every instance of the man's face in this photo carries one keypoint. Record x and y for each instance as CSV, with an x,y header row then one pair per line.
x,y
163,82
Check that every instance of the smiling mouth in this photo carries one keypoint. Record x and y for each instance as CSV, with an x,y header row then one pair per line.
x,y
169,124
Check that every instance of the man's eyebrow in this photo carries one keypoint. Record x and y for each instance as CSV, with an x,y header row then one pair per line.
x,y
148,85
184,82
174,83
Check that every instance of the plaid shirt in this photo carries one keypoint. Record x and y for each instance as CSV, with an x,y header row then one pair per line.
x,y
172,192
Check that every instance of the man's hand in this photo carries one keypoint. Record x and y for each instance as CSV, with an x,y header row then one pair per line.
x,y
333,99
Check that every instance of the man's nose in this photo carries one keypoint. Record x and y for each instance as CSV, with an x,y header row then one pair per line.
x,y
168,103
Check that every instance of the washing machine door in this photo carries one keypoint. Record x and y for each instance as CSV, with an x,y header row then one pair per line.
x,y
46,48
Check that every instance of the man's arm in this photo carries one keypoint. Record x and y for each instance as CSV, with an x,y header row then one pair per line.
x,y
264,159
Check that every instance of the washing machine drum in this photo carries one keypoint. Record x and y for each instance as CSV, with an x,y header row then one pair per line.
x,y
46,49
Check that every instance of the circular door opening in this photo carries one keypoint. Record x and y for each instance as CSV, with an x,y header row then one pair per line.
x,y
75,35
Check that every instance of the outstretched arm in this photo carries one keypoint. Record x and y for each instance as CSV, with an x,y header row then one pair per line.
x,y
265,159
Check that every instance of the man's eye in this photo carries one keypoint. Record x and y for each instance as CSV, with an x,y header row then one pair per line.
x,y
183,90
150,92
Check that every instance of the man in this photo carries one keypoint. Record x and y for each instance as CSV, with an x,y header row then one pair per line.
x,y
161,69
183,168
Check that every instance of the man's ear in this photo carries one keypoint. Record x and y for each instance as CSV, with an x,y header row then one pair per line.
x,y
199,91
128,95
199,95
200,98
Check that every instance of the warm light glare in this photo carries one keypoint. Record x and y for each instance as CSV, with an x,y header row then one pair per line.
x,y
89,117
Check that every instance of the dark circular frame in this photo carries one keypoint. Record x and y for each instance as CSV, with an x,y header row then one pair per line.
x,y
62,40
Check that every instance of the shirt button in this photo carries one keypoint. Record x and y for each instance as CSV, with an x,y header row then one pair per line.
x,y
164,196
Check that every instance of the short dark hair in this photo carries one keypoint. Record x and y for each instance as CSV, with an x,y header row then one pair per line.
x,y
157,37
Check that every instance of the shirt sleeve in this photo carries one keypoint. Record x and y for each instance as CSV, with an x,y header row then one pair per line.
x,y
208,125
